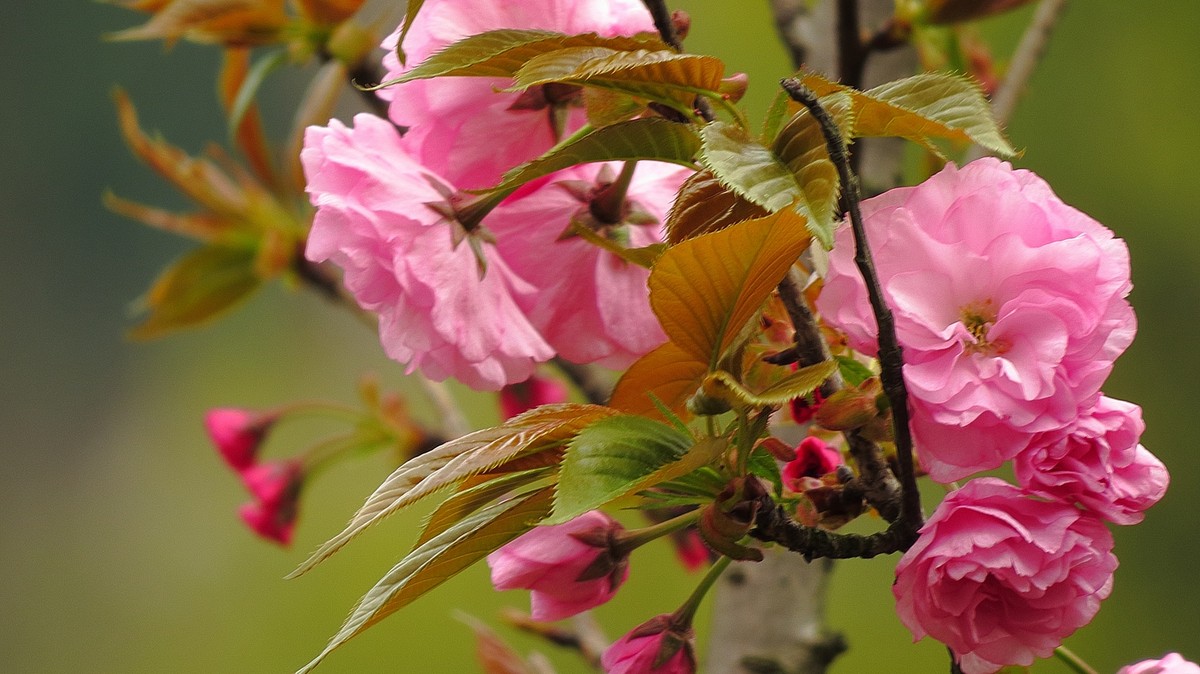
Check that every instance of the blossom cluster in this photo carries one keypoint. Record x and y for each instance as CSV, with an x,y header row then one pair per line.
x,y
1010,309
484,300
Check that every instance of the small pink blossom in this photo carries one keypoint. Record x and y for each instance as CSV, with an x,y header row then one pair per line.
x,y
374,220
657,646
237,434
1002,578
276,490
1097,463
1171,663
1009,304
590,305
691,550
533,392
569,568
468,129
814,458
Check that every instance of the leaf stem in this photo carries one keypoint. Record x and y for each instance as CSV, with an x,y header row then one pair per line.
x,y
685,613
1073,661
891,355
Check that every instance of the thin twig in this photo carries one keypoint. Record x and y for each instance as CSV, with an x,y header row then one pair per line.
x,y
1024,61
891,356
666,29
789,23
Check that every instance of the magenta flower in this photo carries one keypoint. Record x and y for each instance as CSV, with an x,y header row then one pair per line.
x,y
467,129
1009,304
1002,578
276,490
1171,663
1097,463
814,458
657,646
237,434
568,568
590,305
533,392
374,219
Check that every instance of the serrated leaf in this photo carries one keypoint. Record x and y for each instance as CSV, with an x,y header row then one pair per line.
x,y
501,53
661,75
438,560
667,373
706,289
797,384
650,138
538,430
921,108
703,205
853,371
198,288
612,458
801,146
469,500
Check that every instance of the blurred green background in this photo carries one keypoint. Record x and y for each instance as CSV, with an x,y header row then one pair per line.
x,y
120,550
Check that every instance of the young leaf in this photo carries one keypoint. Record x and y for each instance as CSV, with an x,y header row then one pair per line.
x,y
618,456
473,498
706,289
705,205
202,285
853,371
921,108
799,383
411,8
800,145
661,75
747,167
651,138
535,431
501,53
668,374
439,559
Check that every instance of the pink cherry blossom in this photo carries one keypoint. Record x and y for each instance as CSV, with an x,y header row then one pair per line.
x,y
814,458
1097,463
533,392
657,646
590,305
276,490
1009,304
1171,663
569,568
237,434
1002,578
467,129
374,220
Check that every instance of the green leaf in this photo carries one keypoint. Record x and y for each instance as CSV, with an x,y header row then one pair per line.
x,y
473,498
615,457
439,559
411,8
198,288
661,75
642,257
258,73
765,466
706,289
723,385
501,53
651,138
801,146
538,430
668,374
747,167
705,205
921,108
853,371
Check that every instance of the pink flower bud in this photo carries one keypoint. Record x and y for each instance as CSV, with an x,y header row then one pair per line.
x,y
531,393
814,458
1172,663
657,646
276,490
568,568
691,550
237,433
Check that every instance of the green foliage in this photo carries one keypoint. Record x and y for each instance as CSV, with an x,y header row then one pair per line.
x,y
724,386
439,559
612,458
852,371
198,288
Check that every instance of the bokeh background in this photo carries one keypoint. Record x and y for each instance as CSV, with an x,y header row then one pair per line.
x,y
120,550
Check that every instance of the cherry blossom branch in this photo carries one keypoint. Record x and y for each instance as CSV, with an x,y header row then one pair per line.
x,y
890,353
773,524
665,23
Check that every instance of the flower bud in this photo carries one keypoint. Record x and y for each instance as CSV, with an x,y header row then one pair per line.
x,y
237,434
276,490
657,646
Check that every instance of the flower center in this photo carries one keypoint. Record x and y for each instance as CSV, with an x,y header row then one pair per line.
x,y
978,318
